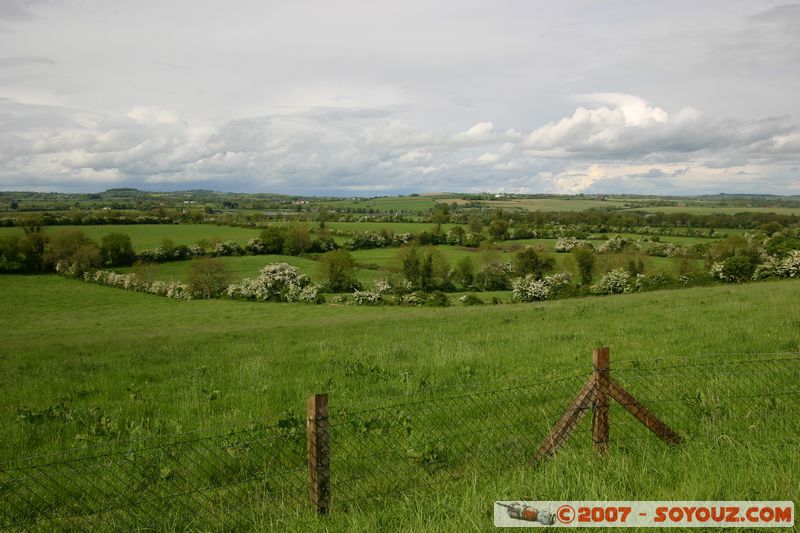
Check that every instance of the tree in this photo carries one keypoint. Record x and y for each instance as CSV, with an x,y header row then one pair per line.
x,y
73,247
529,262
475,225
207,277
498,228
464,272
440,215
273,238
116,250
585,259
33,247
11,256
297,241
338,267
426,269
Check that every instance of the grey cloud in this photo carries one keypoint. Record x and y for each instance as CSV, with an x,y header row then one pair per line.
x,y
460,95
21,61
18,9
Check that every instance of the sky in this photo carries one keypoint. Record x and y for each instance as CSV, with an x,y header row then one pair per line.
x,y
363,98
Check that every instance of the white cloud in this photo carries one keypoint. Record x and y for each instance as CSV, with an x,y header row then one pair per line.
x,y
153,115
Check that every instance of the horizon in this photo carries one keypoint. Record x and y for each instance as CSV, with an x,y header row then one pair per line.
x,y
405,194
345,100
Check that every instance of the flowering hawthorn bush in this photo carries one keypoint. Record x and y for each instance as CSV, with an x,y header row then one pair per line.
x,y
615,281
650,282
256,246
366,298
664,249
382,287
771,266
790,267
530,289
132,282
566,244
615,245
277,282
227,248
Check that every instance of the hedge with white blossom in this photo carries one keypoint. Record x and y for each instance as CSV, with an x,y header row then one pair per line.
x,y
277,282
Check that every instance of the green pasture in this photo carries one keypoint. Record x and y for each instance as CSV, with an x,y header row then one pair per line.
x,y
148,236
391,227
714,209
393,203
248,266
85,364
545,204
87,344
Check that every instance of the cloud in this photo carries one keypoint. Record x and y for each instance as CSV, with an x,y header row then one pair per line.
x,y
613,142
20,61
627,127
153,115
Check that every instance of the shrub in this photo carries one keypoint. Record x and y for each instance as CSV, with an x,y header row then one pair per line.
x,y
494,273
272,239
615,245
207,277
530,289
157,255
651,282
74,248
12,258
133,282
339,268
227,248
585,259
470,299
366,298
566,244
437,299
790,267
256,247
277,282
614,282
528,261
415,298
736,268
116,250
665,249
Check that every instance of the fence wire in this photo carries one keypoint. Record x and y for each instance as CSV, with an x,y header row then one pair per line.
x,y
237,480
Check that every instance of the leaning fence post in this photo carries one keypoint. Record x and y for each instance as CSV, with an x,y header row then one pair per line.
x,y
319,459
602,365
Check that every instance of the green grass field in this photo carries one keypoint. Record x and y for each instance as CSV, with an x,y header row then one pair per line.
x,y
391,204
248,266
714,209
545,204
148,236
146,365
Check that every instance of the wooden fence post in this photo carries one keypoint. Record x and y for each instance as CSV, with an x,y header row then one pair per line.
x,y
319,458
600,429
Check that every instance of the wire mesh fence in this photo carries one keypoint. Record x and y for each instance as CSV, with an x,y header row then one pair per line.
x,y
345,455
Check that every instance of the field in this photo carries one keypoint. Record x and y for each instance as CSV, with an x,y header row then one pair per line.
x,y
248,266
389,204
149,236
151,365
546,204
714,209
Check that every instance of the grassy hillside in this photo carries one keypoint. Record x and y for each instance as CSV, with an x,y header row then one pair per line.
x,y
93,346
82,363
